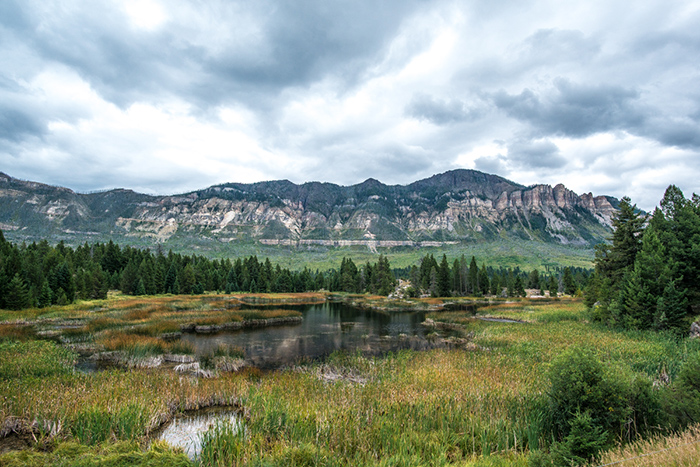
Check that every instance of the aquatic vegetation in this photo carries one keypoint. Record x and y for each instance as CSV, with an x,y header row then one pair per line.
x,y
487,406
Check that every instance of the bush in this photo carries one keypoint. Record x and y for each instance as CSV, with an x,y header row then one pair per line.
x,y
681,401
585,440
581,384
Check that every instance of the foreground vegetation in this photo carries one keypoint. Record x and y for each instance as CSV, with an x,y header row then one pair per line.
x,y
491,405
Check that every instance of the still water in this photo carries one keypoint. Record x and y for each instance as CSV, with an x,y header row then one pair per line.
x,y
185,430
325,328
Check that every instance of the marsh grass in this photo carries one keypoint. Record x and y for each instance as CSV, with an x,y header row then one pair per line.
x,y
34,359
20,332
441,407
681,449
134,345
114,455
222,444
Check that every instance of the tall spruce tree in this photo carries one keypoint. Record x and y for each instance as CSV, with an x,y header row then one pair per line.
x,y
16,294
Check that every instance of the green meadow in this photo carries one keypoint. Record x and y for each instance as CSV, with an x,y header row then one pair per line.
x,y
488,404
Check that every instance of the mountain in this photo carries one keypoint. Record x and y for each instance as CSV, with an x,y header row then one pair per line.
x,y
456,206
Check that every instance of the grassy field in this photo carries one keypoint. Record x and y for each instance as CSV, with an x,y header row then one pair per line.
x,y
510,252
486,406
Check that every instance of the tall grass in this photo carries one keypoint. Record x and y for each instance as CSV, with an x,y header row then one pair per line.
x,y
222,444
682,449
442,407
34,359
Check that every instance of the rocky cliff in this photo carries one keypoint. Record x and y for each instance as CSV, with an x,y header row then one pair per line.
x,y
460,205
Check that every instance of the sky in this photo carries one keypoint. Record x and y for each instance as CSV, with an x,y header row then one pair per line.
x,y
166,97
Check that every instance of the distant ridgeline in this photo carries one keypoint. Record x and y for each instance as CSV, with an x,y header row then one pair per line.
x,y
40,275
649,277
456,206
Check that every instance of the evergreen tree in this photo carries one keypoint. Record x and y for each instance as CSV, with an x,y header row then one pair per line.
x,y
569,282
16,294
615,261
553,286
483,280
443,278
187,279
533,280
170,279
140,287
129,278
518,289
645,283
46,296
433,289
671,308
473,276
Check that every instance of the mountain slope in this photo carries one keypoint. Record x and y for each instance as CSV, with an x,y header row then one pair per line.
x,y
456,206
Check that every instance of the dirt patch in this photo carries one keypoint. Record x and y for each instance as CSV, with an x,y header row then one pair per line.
x,y
15,442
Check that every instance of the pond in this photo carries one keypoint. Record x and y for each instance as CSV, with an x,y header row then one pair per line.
x,y
185,430
325,328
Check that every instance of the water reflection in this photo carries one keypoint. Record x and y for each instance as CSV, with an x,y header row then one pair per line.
x,y
325,328
186,429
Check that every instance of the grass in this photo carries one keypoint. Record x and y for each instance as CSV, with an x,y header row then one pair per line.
x,y
140,326
33,359
117,454
441,407
681,449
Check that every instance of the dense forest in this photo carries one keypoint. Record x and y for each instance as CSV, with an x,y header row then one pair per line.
x,y
39,275
647,277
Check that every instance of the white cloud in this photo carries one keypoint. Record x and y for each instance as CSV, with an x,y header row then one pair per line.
x,y
168,97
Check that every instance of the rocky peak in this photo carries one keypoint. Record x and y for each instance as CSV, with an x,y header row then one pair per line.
x,y
460,205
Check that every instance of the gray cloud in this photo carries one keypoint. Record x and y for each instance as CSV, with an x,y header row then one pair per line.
x,y
493,165
573,110
438,111
535,154
344,91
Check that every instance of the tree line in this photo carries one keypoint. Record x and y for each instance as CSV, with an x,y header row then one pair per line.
x,y
461,278
39,275
648,276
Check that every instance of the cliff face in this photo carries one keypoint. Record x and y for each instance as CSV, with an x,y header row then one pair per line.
x,y
460,205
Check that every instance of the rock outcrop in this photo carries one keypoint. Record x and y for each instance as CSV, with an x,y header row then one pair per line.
x,y
461,205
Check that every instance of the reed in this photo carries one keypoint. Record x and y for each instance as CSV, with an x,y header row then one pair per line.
x,y
443,407
680,449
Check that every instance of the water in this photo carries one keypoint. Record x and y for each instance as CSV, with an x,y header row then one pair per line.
x,y
325,328
186,429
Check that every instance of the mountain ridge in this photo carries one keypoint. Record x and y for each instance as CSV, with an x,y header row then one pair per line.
x,y
456,206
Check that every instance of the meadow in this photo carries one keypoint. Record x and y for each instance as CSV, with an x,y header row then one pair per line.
x,y
488,405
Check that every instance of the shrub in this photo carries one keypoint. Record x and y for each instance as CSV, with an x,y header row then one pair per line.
x,y
581,384
681,401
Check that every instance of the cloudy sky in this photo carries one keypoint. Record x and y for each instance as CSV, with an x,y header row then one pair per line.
x,y
166,96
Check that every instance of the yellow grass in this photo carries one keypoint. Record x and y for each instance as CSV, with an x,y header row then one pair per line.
x,y
679,450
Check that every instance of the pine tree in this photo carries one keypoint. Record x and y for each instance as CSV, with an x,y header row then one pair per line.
x,y
433,284
140,287
671,308
569,282
473,276
553,286
187,279
518,289
483,280
443,278
46,295
16,294
615,261
645,283
170,279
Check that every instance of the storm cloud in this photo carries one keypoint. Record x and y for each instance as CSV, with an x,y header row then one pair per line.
x,y
166,97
